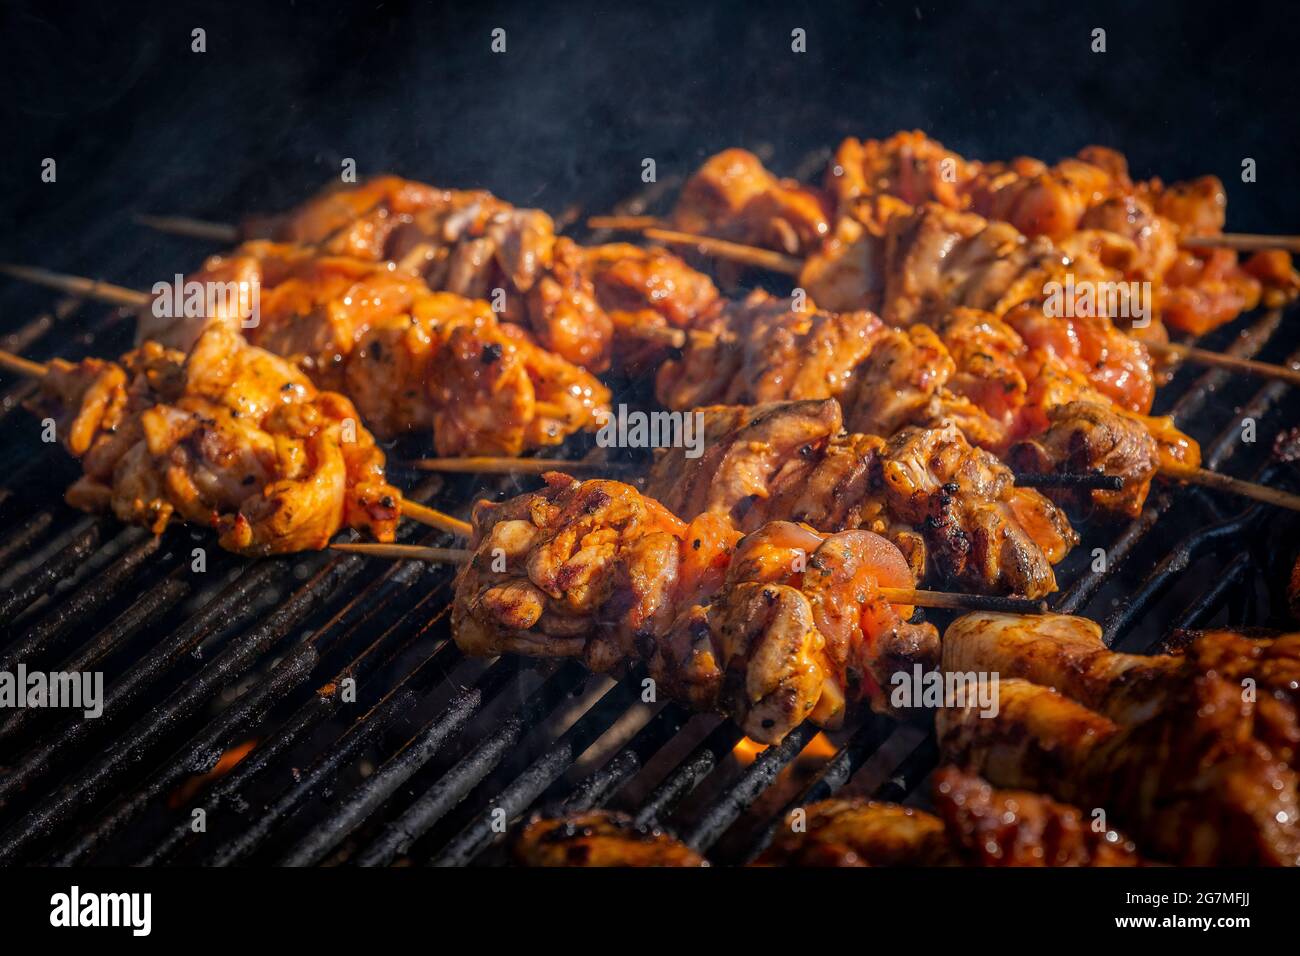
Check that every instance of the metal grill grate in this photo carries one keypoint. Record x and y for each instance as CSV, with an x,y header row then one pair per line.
x,y
436,749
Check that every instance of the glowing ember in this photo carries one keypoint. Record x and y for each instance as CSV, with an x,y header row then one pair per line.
x,y
227,762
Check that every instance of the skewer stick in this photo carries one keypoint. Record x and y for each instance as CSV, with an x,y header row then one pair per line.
x,y
916,596
1234,486
731,251
194,228
1230,362
78,285
408,552
436,519
1242,242
25,367
491,465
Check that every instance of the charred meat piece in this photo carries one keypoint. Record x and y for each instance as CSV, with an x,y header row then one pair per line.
x,y
409,358
767,349
599,839
1192,784
229,437
1066,653
991,827
927,490
782,626
855,832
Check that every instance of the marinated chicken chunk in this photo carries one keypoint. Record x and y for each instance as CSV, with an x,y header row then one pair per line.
x,y
852,832
229,437
599,839
927,490
597,571
1192,784
733,196
991,827
409,358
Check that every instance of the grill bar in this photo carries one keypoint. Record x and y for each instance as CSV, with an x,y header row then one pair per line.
x,y
423,748
525,788
274,803
453,786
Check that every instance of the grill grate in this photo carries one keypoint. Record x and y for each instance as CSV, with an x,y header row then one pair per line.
x,y
436,750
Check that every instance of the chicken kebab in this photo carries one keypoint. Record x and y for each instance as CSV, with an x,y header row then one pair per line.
x,y
1148,231
1193,753
771,628
410,359
1031,405
1068,395
594,306
227,436
952,509
974,824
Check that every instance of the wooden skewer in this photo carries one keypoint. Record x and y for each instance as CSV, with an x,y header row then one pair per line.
x,y
493,465
25,367
916,596
408,552
731,251
1219,360
1242,242
436,519
1234,486
78,285
194,228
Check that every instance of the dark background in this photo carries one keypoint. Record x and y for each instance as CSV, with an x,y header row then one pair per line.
x,y
137,122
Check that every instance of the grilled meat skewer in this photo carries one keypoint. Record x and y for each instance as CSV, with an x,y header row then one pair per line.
x,y
939,500
1196,769
781,626
1026,404
409,358
1088,200
579,302
229,437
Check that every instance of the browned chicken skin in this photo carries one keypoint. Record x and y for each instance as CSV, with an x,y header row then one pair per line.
x,y
927,490
969,369
1198,770
409,358
580,303
782,626
229,437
